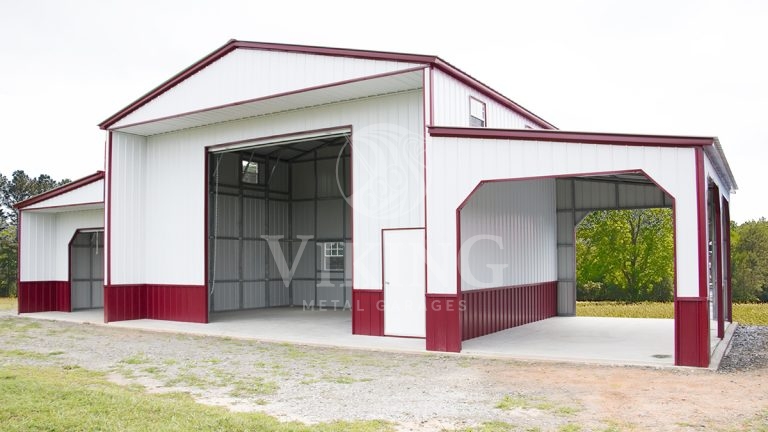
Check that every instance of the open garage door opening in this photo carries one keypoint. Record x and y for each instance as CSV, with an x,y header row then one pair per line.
x,y
518,261
279,225
86,269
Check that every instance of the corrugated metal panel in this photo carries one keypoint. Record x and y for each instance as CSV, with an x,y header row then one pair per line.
x,y
278,294
254,257
253,217
303,292
175,210
636,195
591,194
38,246
451,105
457,165
331,295
492,310
521,215
329,214
226,296
254,295
388,132
90,193
250,74
129,176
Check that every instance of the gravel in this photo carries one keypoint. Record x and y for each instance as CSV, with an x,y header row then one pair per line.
x,y
748,350
417,392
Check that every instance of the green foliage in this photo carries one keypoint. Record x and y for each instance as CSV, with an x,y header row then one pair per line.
x,y
20,187
625,255
8,261
749,261
743,313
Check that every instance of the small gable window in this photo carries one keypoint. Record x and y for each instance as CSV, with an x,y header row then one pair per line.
x,y
476,112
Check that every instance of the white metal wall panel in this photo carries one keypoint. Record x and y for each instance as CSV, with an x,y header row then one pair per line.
x,y
90,193
451,105
387,150
246,74
38,246
129,208
45,241
457,165
520,216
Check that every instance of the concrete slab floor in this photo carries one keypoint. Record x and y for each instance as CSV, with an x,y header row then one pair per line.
x,y
618,341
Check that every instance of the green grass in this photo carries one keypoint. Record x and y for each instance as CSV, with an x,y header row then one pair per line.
x,y
8,303
743,313
509,402
52,399
751,313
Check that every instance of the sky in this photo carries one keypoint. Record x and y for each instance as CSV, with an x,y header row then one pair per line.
x,y
695,67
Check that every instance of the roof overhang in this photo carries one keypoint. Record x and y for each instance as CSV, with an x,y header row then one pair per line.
x,y
343,91
426,60
57,200
710,145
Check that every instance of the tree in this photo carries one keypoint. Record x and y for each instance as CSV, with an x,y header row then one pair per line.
x,y
20,187
749,261
625,255
8,261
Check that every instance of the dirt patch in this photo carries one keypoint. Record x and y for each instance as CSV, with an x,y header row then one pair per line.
x,y
418,392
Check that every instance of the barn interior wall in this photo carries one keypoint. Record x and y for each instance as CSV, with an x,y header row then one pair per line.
x,y
298,199
508,235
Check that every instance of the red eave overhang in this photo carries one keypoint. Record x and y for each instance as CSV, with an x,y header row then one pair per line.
x,y
341,52
576,137
98,175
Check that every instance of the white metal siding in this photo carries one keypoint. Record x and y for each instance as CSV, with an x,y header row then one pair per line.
x,y
387,151
457,165
521,216
90,193
45,242
129,206
38,243
451,105
246,74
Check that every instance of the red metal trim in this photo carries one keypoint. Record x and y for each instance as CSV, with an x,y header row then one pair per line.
x,y
701,209
431,96
274,96
718,241
18,263
108,226
729,292
206,212
576,137
691,332
98,175
187,303
432,61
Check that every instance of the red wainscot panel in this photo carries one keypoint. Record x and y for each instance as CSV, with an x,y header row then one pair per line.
x,y
444,322
124,302
44,296
691,331
491,310
187,303
368,312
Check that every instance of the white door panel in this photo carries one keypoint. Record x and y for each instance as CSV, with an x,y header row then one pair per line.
x,y
404,272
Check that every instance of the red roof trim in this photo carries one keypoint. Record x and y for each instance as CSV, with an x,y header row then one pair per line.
x,y
567,136
340,52
61,190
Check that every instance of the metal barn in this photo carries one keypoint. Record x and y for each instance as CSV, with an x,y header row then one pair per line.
x,y
392,185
